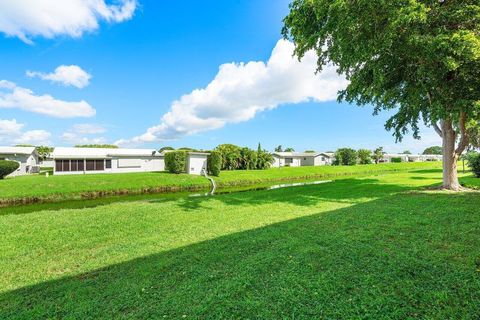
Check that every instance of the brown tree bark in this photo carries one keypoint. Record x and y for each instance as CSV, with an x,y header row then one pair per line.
x,y
450,152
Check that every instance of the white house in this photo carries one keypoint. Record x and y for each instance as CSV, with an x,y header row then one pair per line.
x,y
27,157
387,157
197,162
297,159
106,160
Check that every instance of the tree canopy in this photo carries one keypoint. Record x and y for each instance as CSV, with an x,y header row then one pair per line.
x,y
420,58
433,150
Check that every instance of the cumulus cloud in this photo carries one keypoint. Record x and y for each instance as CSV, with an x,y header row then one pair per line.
x,y
240,90
67,75
84,133
10,128
34,137
26,19
11,132
13,96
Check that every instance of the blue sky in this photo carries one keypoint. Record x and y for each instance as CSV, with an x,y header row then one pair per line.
x,y
136,58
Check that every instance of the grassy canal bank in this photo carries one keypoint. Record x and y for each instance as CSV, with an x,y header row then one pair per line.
x,y
31,189
376,247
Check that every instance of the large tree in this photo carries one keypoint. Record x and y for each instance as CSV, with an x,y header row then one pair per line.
x,y
420,58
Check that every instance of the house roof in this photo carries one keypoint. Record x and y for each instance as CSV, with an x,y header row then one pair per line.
x,y
17,150
300,154
62,152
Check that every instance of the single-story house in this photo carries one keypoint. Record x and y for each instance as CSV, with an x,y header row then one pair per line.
x,y
387,157
297,159
424,157
106,160
27,157
411,157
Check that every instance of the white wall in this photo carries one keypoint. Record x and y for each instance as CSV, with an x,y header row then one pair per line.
x,y
196,163
145,164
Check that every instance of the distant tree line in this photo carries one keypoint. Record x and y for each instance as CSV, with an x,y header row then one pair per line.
x,y
105,146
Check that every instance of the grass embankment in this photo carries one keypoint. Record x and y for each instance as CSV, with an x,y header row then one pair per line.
x,y
31,189
248,177
355,248
39,188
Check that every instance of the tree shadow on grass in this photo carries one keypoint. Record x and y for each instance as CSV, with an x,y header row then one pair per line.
x,y
343,191
400,256
428,171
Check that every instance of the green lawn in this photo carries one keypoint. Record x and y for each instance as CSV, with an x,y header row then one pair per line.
x,y
363,248
63,187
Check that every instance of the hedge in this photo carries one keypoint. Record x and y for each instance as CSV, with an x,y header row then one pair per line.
x,y
473,159
7,167
396,160
176,161
214,163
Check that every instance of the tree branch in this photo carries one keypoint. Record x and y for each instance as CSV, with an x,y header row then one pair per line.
x,y
437,129
464,139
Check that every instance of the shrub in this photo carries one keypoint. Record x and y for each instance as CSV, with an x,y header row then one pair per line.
x,y
473,159
7,167
230,156
345,157
176,161
433,150
214,163
264,160
248,159
364,156
396,160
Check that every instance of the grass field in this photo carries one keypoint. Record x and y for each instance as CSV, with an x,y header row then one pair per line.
x,y
62,187
363,248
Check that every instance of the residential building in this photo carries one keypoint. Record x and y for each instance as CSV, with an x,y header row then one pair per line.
x,y
106,160
297,159
27,157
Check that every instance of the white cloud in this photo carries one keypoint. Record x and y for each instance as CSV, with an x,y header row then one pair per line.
x,y
82,134
12,96
34,137
10,128
51,18
240,90
67,75
11,132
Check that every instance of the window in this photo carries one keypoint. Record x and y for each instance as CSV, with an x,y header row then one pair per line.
x,y
108,164
99,165
58,165
80,165
74,165
288,160
90,165
65,165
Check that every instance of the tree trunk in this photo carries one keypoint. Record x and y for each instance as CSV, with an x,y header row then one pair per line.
x,y
450,157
